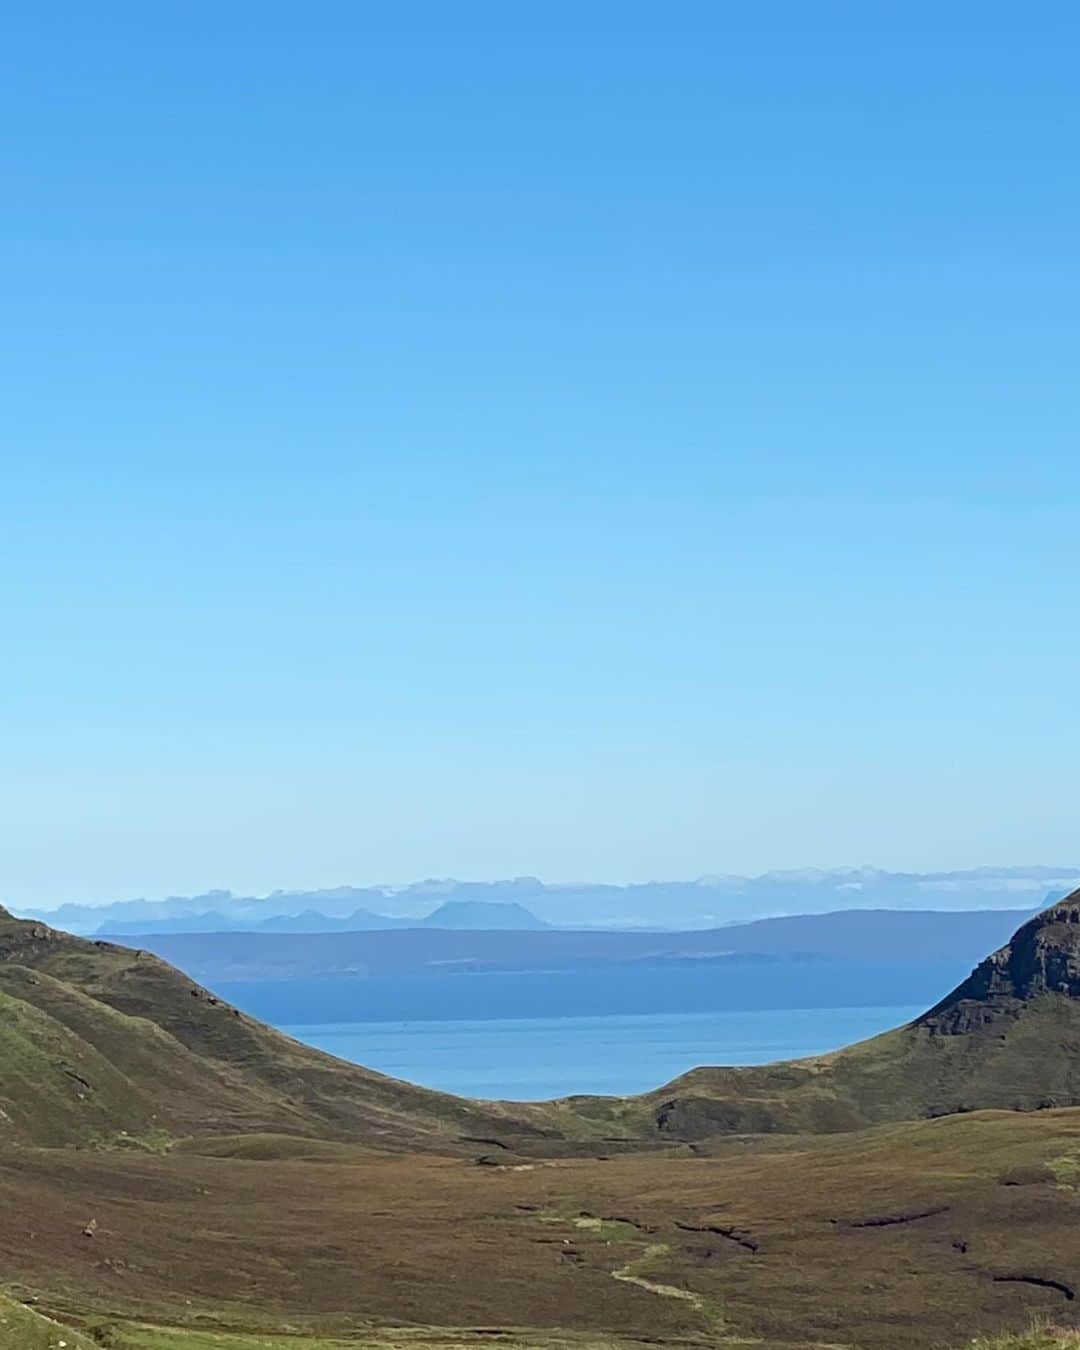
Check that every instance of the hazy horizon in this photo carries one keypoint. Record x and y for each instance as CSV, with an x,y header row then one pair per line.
x,y
1018,880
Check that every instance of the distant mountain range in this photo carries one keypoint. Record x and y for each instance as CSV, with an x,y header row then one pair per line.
x,y
528,903
849,958
467,915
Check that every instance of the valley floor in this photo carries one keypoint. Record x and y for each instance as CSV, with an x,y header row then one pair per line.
x,y
904,1237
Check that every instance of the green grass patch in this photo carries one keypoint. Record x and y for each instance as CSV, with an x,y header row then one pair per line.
x,y
643,1272
607,1230
636,1270
178,1338
1065,1171
23,1328
145,1337
1039,1338
153,1140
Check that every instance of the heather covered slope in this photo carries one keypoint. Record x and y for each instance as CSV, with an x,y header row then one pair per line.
x,y
102,1044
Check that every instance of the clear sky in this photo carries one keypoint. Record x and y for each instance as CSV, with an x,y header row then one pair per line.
x,y
602,440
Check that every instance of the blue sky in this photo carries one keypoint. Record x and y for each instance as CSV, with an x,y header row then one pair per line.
x,y
601,441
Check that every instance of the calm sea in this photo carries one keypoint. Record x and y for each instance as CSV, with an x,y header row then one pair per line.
x,y
530,1058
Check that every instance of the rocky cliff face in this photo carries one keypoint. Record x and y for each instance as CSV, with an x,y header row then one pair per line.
x,y
1043,957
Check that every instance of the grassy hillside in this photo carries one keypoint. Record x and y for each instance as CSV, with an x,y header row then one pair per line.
x,y
1039,1338
103,1044
1008,1038
1021,1062
25,1328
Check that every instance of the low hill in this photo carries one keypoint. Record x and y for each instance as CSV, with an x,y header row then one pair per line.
x,y
104,1044
482,915
927,937
478,915
310,921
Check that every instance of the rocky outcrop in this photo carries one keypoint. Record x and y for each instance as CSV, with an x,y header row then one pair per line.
x,y
1043,957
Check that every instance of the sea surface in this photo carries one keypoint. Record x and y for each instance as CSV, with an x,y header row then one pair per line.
x,y
531,1058
626,989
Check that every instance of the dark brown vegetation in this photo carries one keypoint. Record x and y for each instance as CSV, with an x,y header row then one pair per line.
x,y
213,1173
780,1239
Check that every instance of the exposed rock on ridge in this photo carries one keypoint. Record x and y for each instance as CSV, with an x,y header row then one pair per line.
x,y
1043,957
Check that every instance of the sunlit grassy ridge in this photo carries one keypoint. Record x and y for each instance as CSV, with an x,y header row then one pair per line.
x,y
23,1328
1041,1338
101,1044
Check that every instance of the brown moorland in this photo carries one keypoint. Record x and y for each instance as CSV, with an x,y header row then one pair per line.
x,y
913,1235
198,1180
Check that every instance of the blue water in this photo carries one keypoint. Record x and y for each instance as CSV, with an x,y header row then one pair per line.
x,y
627,989
523,1059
